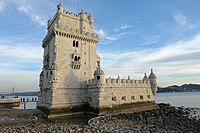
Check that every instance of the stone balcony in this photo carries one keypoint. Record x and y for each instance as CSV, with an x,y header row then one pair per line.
x,y
76,64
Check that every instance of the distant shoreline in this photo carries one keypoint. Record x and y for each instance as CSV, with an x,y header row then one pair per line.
x,y
177,91
181,88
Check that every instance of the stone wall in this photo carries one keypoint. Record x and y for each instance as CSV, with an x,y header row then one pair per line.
x,y
113,94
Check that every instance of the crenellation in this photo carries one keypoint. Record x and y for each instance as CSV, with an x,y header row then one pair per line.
x,y
123,82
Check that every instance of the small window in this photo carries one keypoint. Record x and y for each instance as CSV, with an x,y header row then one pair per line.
x,y
85,73
148,96
98,63
75,59
132,97
47,75
47,60
141,97
85,63
90,99
76,43
124,98
114,99
85,53
98,77
79,58
51,72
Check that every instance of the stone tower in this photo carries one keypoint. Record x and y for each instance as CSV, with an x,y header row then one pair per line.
x,y
99,76
153,82
72,80
69,61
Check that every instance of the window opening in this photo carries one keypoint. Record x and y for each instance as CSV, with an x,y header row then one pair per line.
x,y
141,97
74,43
132,97
75,59
79,58
114,99
124,98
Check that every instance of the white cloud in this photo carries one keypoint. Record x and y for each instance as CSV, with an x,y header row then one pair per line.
x,y
30,13
178,59
180,48
180,19
104,38
21,80
148,43
183,21
20,51
104,35
150,40
125,26
2,5
19,67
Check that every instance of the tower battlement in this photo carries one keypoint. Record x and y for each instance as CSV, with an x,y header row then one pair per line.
x,y
67,24
114,82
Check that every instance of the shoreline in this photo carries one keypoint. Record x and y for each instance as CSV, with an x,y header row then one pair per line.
x,y
165,119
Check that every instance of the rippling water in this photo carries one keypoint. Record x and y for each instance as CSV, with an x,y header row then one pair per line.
x,y
186,99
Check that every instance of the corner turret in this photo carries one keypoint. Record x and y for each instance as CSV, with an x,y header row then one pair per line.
x,y
99,76
53,74
60,8
91,20
83,15
153,82
145,77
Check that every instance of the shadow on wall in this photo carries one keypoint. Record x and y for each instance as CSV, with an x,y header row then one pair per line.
x,y
74,90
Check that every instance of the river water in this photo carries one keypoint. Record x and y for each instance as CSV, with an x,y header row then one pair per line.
x,y
186,99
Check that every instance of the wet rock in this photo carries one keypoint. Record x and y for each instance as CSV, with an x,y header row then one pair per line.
x,y
164,119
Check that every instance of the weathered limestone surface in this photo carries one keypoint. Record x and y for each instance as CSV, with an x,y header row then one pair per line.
x,y
72,80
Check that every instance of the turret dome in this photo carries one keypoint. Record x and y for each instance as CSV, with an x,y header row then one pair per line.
x,y
99,71
152,75
145,77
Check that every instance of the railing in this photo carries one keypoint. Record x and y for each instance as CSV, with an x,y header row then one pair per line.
x,y
76,64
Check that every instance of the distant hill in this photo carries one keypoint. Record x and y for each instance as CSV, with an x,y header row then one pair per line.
x,y
182,88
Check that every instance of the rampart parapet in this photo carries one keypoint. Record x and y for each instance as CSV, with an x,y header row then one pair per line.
x,y
115,82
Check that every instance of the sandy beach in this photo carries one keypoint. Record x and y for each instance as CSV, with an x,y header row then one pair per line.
x,y
165,119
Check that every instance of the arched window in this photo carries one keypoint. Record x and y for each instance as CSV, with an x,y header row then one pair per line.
x,y
79,58
74,43
75,59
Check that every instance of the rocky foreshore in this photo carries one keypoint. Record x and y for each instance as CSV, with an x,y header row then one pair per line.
x,y
165,119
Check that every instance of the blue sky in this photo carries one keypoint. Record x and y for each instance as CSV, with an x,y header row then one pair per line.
x,y
134,36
